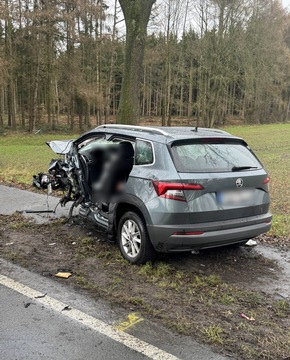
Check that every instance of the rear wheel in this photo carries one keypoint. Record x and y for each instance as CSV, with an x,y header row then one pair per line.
x,y
133,239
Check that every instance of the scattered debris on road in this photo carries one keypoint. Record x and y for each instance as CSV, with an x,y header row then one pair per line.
x,y
65,274
247,317
27,304
40,296
251,243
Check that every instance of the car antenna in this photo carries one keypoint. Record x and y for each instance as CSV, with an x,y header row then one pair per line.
x,y
196,129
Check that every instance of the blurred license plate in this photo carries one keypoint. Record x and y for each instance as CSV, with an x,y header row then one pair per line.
x,y
236,197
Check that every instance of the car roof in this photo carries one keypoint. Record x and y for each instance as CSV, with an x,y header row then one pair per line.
x,y
164,134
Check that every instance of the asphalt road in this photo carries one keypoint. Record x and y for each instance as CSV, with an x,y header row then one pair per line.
x,y
37,332
44,328
12,200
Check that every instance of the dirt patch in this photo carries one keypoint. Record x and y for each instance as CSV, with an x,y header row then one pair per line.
x,y
200,295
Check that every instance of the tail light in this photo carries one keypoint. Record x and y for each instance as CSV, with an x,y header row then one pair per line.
x,y
174,191
266,181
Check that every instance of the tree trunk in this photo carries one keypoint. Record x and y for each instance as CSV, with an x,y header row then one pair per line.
x,y
1,106
34,105
136,13
190,91
11,81
11,105
110,84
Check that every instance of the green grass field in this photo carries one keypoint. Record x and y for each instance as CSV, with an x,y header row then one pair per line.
x,y
272,145
23,155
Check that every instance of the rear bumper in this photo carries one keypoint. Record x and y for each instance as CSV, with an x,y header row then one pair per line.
x,y
214,234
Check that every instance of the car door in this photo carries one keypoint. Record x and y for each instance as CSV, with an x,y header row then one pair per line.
x,y
83,158
103,162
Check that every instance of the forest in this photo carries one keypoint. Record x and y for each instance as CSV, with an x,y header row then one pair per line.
x,y
206,63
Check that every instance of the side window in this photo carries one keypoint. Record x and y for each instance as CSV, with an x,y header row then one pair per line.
x,y
143,153
119,139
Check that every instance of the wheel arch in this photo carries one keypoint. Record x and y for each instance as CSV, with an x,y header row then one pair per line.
x,y
124,207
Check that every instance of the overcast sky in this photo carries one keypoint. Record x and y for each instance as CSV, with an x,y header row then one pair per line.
x,y
286,3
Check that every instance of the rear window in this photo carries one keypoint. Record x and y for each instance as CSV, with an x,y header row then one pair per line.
x,y
213,157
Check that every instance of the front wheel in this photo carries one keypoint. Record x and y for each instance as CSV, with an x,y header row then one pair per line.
x,y
133,239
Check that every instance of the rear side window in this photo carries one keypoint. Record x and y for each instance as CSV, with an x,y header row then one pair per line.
x,y
213,157
143,153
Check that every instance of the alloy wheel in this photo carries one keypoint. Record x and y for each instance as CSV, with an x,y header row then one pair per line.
x,y
131,238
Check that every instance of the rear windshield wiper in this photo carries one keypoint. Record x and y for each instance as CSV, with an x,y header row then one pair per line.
x,y
240,168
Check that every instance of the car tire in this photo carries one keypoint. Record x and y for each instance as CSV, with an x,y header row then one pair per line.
x,y
133,239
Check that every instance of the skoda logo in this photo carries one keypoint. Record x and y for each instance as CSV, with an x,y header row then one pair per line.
x,y
239,182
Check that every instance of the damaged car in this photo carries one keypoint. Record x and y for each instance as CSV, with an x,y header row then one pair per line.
x,y
163,189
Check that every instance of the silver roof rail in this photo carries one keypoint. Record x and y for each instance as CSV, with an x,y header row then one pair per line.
x,y
134,128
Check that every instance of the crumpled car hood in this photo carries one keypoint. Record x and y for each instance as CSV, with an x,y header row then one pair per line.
x,y
61,147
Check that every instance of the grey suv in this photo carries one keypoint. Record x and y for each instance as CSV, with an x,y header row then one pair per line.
x,y
189,189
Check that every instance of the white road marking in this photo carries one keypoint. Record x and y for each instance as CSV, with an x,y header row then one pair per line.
x,y
128,340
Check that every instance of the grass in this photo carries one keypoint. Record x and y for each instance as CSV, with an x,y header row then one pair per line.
x,y
213,334
282,308
155,271
23,155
